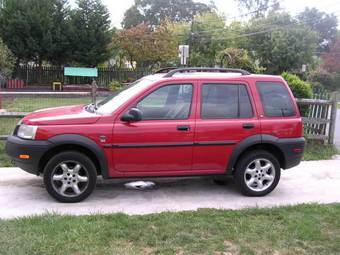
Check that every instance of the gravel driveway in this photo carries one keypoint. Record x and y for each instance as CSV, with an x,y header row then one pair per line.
x,y
22,194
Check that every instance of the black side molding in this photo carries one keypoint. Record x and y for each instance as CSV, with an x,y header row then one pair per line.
x,y
160,145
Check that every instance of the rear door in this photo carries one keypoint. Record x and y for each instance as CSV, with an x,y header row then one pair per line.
x,y
279,113
225,116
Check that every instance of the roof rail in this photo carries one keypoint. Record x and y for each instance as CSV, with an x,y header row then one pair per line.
x,y
165,70
205,69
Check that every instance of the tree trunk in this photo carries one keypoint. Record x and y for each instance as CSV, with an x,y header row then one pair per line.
x,y
16,67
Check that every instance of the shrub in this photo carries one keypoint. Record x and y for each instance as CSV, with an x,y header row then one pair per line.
x,y
300,88
321,77
115,85
7,60
329,81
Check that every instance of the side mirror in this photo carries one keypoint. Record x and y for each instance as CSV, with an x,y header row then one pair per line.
x,y
133,114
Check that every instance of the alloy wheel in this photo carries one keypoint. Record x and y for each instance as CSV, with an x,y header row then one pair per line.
x,y
70,179
259,175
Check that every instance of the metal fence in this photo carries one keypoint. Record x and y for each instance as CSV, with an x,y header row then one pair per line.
x,y
319,115
34,75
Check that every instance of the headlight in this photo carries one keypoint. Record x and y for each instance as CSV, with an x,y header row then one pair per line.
x,y
27,132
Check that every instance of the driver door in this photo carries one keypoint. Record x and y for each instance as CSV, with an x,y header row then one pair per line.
x,y
162,142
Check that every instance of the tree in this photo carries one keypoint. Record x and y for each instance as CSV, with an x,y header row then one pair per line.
x,y
321,78
233,35
205,36
331,59
206,39
7,61
280,43
32,29
258,8
237,58
132,17
322,23
145,46
91,34
154,12
60,51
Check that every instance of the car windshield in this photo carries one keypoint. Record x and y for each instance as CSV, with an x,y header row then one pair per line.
x,y
113,102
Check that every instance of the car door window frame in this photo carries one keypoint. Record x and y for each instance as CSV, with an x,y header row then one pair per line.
x,y
207,83
165,85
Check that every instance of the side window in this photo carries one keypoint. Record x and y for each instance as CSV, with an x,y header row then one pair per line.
x,y
225,101
170,102
276,100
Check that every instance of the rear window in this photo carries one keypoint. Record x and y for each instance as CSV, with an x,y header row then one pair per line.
x,y
276,100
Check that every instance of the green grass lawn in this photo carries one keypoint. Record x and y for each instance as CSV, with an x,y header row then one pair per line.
x,y
303,229
4,159
7,125
22,104
317,151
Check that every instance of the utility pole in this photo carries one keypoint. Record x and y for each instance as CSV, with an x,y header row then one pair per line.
x,y
190,41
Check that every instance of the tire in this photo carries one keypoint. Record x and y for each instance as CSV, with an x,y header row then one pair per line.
x,y
65,171
254,168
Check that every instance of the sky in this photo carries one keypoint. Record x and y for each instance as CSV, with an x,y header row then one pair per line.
x,y
229,7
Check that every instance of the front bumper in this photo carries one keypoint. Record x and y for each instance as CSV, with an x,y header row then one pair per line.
x,y
16,146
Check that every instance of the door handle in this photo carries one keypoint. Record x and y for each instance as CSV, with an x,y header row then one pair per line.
x,y
248,125
183,128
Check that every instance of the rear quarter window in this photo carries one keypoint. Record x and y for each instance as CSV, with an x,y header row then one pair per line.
x,y
276,99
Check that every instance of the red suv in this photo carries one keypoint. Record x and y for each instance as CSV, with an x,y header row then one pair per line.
x,y
187,122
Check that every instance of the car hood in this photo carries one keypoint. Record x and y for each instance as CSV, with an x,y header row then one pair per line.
x,y
66,115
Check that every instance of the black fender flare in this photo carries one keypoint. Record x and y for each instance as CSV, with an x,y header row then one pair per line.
x,y
74,139
286,147
283,145
240,148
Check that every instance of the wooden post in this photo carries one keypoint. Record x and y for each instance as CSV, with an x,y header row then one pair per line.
x,y
333,117
94,91
0,97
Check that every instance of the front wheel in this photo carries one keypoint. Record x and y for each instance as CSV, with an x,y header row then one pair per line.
x,y
70,177
257,173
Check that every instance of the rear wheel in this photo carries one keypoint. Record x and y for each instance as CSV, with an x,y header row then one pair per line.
x,y
257,173
70,177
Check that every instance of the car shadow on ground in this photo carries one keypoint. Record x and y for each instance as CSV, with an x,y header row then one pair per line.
x,y
166,186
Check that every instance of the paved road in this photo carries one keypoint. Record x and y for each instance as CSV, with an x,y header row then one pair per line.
x,y
337,130
22,194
